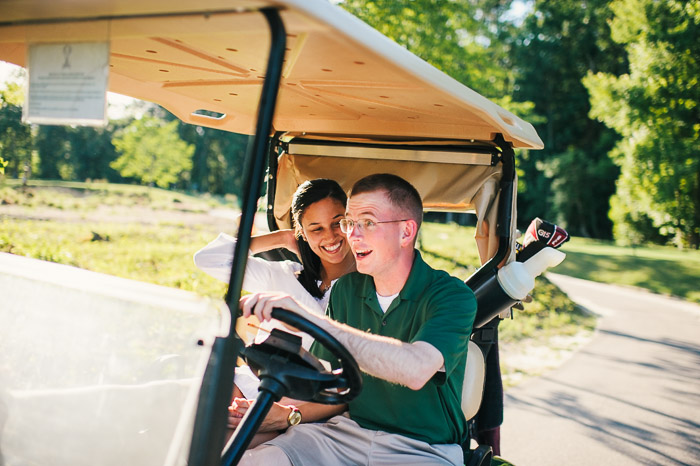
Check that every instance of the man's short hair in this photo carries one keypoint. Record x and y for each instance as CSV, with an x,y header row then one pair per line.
x,y
402,195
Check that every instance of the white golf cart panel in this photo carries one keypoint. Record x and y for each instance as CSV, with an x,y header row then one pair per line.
x,y
96,369
340,77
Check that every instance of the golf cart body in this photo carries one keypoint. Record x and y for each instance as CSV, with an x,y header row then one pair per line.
x,y
324,95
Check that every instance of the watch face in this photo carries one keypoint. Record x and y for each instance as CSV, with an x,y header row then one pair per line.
x,y
294,418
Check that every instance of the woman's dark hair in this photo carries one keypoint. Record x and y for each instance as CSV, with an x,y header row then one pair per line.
x,y
310,192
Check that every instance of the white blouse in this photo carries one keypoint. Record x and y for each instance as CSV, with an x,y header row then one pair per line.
x,y
216,258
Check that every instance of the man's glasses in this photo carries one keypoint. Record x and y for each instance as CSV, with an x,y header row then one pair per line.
x,y
347,225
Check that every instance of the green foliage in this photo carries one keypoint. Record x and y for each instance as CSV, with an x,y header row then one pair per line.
x,y
76,153
581,187
656,108
13,93
463,39
15,137
571,180
217,160
88,153
152,152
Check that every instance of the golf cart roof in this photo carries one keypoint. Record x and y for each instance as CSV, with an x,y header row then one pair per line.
x,y
341,78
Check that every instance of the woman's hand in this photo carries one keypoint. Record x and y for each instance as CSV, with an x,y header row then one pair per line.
x,y
275,420
291,241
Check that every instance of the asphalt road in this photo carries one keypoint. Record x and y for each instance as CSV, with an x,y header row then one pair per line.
x,y
631,396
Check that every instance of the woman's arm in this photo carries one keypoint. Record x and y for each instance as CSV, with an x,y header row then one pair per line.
x,y
276,419
276,239
216,257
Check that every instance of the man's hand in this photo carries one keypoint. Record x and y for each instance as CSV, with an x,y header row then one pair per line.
x,y
262,304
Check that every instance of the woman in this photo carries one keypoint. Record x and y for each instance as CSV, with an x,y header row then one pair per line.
x,y
317,208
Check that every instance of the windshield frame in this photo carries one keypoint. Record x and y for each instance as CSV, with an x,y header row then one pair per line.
x,y
210,422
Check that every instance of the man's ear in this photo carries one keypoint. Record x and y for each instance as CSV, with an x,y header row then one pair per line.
x,y
409,232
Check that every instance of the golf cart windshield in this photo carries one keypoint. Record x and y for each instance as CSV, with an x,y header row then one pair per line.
x,y
336,98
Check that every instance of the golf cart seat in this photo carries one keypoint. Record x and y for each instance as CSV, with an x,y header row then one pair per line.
x,y
472,394
474,375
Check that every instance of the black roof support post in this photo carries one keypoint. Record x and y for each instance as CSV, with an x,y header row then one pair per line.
x,y
274,151
215,395
505,207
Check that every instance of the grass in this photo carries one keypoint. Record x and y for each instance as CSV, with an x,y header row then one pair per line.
x,y
160,254
665,270
69,223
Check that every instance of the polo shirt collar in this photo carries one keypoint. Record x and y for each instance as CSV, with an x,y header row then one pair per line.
x,y
416,284
418,279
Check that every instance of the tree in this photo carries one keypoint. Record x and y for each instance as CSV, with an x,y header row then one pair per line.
x,y
656,109
152,152
75,152
572,179
15,136
461,38
92,152
51,143
218,158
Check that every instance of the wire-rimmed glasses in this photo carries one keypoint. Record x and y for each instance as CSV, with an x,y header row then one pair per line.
x,y
363,225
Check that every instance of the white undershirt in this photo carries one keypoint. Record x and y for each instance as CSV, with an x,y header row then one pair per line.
x,y
385,301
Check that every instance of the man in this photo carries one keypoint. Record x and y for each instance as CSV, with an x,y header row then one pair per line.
x,y
407,326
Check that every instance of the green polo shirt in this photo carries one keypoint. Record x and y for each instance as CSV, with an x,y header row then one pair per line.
x,y
432,307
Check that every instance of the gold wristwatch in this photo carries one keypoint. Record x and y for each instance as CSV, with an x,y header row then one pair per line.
x,y
294,417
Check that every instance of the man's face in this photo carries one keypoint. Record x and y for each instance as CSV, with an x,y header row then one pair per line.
x,y
377,248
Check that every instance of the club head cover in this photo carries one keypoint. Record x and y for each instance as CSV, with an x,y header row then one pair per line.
x,y
540,234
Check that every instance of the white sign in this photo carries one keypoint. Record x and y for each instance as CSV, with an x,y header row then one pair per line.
x,y
67,84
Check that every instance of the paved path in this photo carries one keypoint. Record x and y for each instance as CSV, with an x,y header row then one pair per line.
x,y
629,397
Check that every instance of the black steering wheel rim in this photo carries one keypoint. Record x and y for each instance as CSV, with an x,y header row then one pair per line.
x,y
350,376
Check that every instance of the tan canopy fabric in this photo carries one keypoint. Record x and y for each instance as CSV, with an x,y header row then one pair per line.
x,y
442,186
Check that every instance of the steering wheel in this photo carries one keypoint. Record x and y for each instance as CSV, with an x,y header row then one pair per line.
x,y
286,368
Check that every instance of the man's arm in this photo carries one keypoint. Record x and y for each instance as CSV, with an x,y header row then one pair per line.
x,y
382,357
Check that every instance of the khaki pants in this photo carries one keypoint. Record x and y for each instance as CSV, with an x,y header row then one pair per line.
x,y
341,441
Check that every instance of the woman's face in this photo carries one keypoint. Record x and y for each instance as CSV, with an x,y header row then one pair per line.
x,y
321,229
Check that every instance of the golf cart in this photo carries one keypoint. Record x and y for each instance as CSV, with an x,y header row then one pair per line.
x,y
324,95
